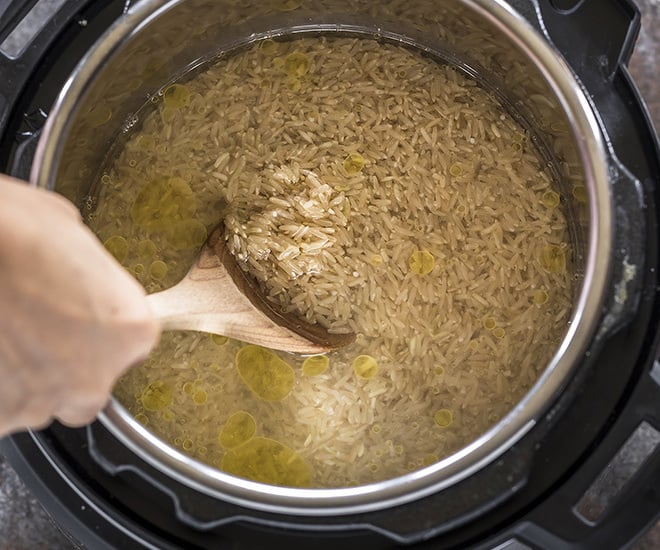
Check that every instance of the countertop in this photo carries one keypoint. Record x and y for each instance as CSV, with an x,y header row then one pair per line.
x,y
24,524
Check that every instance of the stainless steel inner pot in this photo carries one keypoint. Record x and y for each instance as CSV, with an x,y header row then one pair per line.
x,y
157,40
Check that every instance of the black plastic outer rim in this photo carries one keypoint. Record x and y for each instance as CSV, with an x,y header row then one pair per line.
x,y
15,72
33,454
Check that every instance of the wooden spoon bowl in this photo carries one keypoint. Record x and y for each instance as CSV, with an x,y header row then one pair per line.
x,y
217,296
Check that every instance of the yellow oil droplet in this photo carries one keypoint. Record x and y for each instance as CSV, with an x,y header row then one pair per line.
x,y
200,397
167,415
580,193
373,467
167,115
187,235
365,366
176,96
188,388
138,269
315,365
158,270
268,376
267,461
294,84
421,262
489,323
288,5
162,203
142,419
430,459
219,340
117,246
550,199
517,147
133,84
376,260
98,115
187,444
443,418
439,370
200,110
156,396
376,428
398,449
145,142
269,47
474,344
553,258
499,332
456,170
146,249
296,65
105,179
540,297
239,428
354,163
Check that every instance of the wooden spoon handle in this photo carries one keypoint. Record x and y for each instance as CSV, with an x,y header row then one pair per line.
x,y
221,308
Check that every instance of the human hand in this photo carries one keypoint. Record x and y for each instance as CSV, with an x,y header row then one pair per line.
x,y
71,318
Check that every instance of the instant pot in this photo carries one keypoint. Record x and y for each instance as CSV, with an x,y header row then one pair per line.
x,y
561,66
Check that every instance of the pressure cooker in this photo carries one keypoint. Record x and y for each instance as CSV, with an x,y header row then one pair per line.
x,y
115,484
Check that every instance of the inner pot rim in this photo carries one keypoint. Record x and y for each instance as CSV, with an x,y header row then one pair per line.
x,y
487,447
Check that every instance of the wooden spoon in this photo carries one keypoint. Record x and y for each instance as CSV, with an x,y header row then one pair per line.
x,y
217,296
